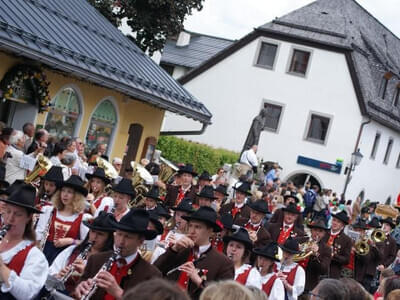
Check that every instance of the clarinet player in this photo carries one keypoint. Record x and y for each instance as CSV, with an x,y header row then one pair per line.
x,y
23,267
128,269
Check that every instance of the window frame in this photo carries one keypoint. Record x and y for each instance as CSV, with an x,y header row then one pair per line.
x,y
258,50
275,103
396,97
291,53
308,123
375,147
79,119
389,148
114,128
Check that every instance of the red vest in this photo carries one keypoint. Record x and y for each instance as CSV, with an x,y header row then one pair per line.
x,y
120,273
284,235
267,287
98,201
62,229
242,278
18,261
291,275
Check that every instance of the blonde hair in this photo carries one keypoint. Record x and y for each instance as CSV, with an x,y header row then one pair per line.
x,y
78,202
393,295
223,290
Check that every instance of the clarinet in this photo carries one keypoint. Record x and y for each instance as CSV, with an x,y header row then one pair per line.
x,y
106,267
4,230
46,232
83,256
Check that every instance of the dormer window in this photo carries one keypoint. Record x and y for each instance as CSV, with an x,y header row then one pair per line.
x,y
384,85
396,96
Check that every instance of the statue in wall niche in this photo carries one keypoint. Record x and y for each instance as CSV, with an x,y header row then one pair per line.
x,y
255,130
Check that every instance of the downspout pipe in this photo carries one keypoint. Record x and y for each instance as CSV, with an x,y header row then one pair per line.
x,y
190,132
363,124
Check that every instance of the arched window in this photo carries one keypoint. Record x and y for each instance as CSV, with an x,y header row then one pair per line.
x,y
102,125
62,119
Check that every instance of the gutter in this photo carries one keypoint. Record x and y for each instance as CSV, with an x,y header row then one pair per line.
x,y
360,132
189,132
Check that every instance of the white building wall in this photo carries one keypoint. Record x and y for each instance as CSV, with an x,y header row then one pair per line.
x,y
234,90
378,180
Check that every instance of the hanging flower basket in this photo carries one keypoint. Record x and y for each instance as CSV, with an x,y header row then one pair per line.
x,y
25,83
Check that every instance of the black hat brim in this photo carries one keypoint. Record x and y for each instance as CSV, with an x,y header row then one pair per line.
x,y
258,252
206,196
176,208
291,251
154,198
4,183
296,212
340,219
247,244
215,226
28,207
388,222
105,179
194,174
77,188
131,194
251,205
244,192
311,226
148,234
98,228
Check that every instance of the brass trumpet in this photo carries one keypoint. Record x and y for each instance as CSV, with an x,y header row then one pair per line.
x,y
43,165
362,246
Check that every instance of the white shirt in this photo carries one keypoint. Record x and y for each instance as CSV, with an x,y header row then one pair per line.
x,y
107,203
277,290
299,280
61,260
129,259
33,274
254,278
45,216
55,161
13,170
249,158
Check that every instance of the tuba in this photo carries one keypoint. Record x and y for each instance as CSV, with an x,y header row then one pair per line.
x,y
140,178
167,171
362,246
109,169
43,165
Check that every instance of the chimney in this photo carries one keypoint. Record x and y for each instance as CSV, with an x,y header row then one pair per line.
x,y
183,39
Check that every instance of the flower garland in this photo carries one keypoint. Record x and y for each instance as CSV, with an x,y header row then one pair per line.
x,y
36,80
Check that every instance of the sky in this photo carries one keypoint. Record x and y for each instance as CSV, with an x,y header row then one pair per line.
x,y
235,18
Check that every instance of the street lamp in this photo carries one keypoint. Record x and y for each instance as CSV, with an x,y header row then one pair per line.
x,y
356,158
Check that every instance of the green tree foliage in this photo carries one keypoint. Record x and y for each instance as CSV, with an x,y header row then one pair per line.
x,y
203,157
152,20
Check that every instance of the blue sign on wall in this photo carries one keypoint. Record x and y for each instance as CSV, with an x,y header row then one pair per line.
x,y
334,168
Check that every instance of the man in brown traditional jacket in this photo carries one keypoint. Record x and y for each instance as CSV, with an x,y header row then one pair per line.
x,y
192,262
129,268
176,193
340,244
237,207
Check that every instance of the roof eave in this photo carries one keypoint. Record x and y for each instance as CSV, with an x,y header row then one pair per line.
x,y
106,82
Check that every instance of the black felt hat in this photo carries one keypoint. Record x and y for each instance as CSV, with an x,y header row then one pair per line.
x,y
136,221
270,251
361,224
227,221
342,216
154,219
125,187
207,215
99,173
186,205
76,183
205,176
241,236
3,183
259,205
162,211
103,222
389,221
291,246
207,192
291,208
54,174
319,223
222,189
154,193
243,187
14,186
374,223
188,168
291,195
24,196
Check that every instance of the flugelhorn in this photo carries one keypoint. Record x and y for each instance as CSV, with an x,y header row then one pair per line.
x,y
106,267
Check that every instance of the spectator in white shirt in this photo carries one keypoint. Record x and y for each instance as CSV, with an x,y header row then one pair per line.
x,y
248,160
16,152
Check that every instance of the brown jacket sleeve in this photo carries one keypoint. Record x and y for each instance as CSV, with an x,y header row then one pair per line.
x,y
343,256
